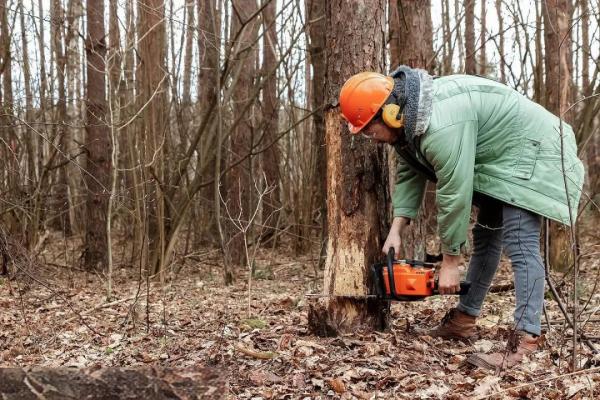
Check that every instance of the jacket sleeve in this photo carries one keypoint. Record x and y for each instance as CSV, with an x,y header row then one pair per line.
x,y
408,190
451,152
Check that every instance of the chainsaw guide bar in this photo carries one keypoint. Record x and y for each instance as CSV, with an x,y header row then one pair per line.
x,y
348,296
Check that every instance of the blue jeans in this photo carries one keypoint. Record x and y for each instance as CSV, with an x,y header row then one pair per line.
x,y
500,225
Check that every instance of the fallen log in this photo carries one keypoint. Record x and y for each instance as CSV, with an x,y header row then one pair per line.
x,y
145,383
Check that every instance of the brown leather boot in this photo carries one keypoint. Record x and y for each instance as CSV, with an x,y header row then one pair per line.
x,y
455,325
519,344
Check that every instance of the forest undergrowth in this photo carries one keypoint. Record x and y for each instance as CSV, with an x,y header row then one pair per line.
x,y
54,314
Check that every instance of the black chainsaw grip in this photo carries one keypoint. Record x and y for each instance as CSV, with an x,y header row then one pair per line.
x,y
390,270
464,288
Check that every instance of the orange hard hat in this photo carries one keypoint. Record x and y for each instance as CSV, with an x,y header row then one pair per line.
x,y
362,96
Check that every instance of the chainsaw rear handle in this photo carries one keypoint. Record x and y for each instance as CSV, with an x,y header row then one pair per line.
x,y
464,288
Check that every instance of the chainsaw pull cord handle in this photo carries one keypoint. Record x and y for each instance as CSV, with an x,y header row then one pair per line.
x,y
390,269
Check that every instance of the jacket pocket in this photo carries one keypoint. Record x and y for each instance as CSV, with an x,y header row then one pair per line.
x,y
530,149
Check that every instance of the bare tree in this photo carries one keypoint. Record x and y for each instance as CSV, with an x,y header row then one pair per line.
x,y
316,26
357,195
558,61
482,41
470,65
61,199
502,61
209,43
412,20
239,190
270,115
152,103
98,144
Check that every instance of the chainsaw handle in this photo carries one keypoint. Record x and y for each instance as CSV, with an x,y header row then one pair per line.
x,y
390,270
464,288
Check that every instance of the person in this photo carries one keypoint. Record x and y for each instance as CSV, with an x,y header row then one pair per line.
x,y
483,144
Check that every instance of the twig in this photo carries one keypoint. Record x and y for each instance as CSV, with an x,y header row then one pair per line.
x,y
105,305
580,372
261,355
562,307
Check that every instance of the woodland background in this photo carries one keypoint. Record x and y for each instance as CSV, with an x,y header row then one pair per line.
x,y
155,153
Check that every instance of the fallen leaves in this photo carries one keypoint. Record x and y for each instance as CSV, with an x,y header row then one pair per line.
x,y
272,355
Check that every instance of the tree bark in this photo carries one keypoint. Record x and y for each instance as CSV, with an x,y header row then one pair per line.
x,y
270,114
61,207
557,15
98,143
502,62
470,65
357,178
482,41
411,34
110,384
152,84
208,45
7,132
459,37
317,28
538,73
189,52
239,181
413,24
587,89
29,114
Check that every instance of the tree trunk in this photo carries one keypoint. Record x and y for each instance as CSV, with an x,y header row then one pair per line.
x,y
110,384
239,181
482,42
357,177
208,45
414,26
151,79
557,14
470,65
411,33
29,113
587,89
502,65
459,38
538,73
7,132
98,144
270,114
317,29
189,52
61,209
73,133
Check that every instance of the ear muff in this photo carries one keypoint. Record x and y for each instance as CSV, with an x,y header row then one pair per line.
x,y
391,116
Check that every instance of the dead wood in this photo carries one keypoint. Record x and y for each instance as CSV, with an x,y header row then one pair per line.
x,y
109,383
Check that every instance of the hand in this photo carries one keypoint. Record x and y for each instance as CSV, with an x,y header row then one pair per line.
x,y
393,240
449,275
394,236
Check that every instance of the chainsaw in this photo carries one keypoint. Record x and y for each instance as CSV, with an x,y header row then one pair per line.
x,y
406,280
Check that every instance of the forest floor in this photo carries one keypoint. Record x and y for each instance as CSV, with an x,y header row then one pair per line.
x,y
56,315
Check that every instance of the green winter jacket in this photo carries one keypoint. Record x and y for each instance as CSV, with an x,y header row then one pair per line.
x,y
484,136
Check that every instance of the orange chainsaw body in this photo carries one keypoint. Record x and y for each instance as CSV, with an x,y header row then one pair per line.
x,y
408,280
